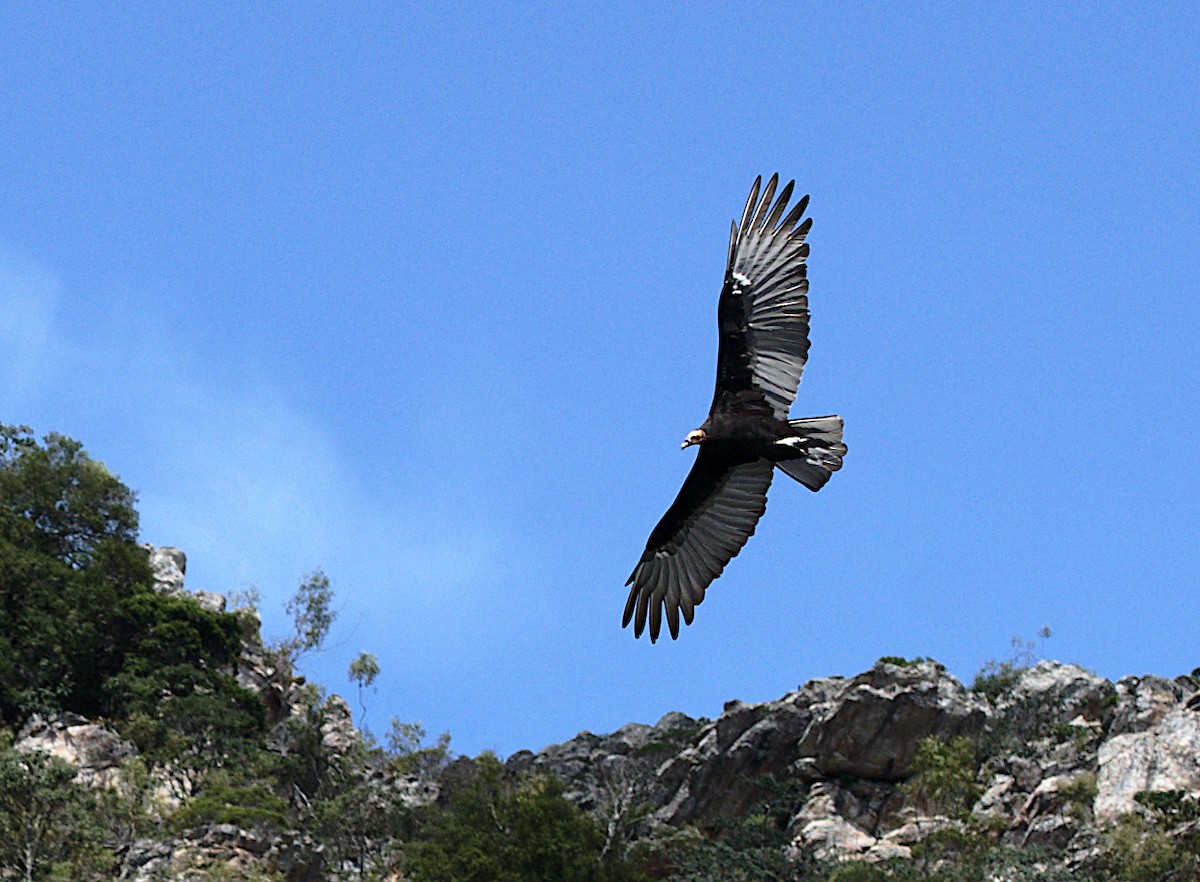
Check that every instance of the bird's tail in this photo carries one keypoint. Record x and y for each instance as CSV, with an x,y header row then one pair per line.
x,y
815,452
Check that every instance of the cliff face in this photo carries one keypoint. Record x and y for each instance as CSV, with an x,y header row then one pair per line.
x,y
1061,753
1056,755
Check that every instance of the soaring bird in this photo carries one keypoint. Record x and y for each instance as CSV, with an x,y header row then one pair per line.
x,y
762,321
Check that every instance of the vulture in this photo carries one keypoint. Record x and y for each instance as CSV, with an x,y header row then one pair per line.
x,y
762,322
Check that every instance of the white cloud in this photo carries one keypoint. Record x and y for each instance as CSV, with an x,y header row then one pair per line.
x,y
252,489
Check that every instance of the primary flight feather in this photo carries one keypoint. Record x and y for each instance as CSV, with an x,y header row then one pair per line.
x,y
762,321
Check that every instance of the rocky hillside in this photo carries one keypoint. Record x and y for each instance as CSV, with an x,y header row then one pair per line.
x,y
1046,758
1061,752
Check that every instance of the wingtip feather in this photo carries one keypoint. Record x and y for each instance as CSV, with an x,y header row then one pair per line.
x,y
629,605
760,216
656,610
639,621
751,201
780,204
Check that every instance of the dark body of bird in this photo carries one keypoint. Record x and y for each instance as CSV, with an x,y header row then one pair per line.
x,y
762,321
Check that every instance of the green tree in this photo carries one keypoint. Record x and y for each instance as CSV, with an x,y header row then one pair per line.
x,y
59,500
1162,845
751,848
339,797
84,629
363,671
945,782
67,556
312,613
409,755
362,829
696,858
306,769
176,685
488,829
46,817
1136,851
130,810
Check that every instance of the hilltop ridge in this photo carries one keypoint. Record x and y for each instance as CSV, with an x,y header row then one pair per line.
x,y
1045,760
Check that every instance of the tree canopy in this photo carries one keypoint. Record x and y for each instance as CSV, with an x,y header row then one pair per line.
x,y
84,629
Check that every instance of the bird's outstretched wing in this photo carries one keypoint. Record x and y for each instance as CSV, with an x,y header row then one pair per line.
x,y
706,526
763,312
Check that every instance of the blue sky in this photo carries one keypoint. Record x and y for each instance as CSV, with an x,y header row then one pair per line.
x,y
427,298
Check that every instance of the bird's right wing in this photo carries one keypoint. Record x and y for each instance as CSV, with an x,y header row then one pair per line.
x,y
762,315
715,513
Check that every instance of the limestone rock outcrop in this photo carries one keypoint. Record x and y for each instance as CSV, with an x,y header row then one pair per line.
x,y
95,751
848,741
870,728
1061,750
1163,757
169,565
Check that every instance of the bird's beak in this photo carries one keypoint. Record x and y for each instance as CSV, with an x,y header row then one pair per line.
x,y
687,442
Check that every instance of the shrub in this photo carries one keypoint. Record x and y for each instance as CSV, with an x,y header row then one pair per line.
x,y
902,662
944,776
1170,807
996,679
1135,851
244,805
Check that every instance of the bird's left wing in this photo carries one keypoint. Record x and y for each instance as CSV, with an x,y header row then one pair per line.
x,y
715,513
763,311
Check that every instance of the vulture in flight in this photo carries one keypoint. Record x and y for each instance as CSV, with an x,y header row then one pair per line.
x,y
762,321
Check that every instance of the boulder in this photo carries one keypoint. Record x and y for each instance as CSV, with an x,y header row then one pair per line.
x,y
998,800
840,822
338,732
721,774
1066,691
147,859
1042,701
1056,809
871,727
1143,702
210,601
168,564
834,838
96,751
1164,757
611,774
